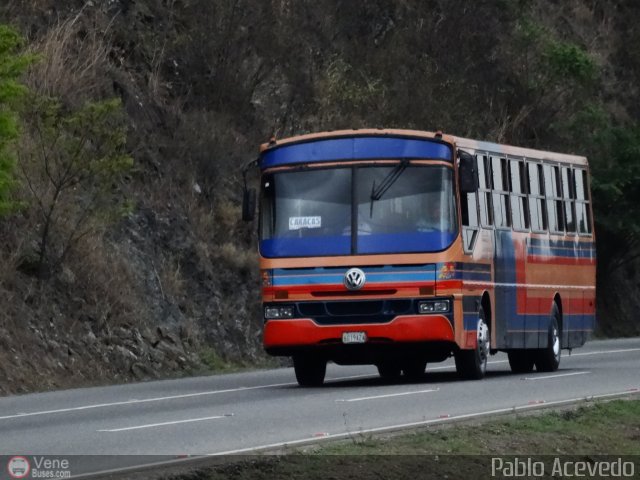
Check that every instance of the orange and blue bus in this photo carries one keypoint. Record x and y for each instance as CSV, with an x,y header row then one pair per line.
x,y
397,248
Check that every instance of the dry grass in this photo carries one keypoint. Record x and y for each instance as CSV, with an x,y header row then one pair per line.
x,y
74,59
9,261
237,257
172,278
107,283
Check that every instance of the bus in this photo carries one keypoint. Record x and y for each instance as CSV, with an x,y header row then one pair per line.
x,y
398,248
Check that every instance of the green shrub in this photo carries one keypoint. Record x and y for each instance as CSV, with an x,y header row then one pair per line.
x,y
73,163
12,65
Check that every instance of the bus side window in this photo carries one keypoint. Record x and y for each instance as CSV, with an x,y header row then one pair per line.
x,y
500,191
554,199
470,223
583,212
537,205
569,199
519,204
484,192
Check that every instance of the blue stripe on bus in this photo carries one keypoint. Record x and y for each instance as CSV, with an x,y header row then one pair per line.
x,y
466,271
561,248
354,148
335,275
533,321
306,247
411,242
339,278
473,267
477,276
366,269
415,242
535,241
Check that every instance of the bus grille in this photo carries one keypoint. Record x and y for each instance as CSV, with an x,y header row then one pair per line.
x,y
355,312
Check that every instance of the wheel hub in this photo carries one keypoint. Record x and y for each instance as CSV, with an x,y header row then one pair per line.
x,y
556,343
483,340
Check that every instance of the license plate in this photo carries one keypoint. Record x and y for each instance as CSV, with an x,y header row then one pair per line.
x,y
354,337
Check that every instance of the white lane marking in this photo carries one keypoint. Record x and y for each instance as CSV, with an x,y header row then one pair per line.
x,y
163,424
160,399
134,401
145,400
399,394
556,376
401,426
447,367
601,352
351,377
240,389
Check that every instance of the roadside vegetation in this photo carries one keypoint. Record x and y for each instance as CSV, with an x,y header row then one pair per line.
x,y
588,433
124,126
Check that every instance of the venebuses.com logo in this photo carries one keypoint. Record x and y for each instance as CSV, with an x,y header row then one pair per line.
x,y
18,467
38,467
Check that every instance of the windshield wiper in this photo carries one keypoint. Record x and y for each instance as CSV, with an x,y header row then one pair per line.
x,y
378,192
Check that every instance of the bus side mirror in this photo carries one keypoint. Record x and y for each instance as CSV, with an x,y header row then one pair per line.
x,y
468,171
248,204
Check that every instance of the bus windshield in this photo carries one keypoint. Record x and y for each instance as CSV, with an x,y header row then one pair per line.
x,y
344,211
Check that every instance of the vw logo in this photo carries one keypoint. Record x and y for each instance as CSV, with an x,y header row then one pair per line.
x,y
354,279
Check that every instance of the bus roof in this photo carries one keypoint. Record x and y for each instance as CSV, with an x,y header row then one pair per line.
x,y
460,142
380,132
481,146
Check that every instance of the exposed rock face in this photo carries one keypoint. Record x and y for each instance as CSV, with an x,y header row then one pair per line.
x,y
171,308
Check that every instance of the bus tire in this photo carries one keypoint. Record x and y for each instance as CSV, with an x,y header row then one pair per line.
x,y
521,361
548,359
389,370
472,364
414,369
310,370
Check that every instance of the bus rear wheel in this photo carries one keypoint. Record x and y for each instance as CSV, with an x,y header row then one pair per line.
x,y
472,364
548,359
310,370
521,361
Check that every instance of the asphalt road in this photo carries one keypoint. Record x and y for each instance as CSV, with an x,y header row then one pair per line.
x,y
238,413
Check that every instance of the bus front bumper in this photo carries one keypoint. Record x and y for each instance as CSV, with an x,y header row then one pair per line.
x,y
281,335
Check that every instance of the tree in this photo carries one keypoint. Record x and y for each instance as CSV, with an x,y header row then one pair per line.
x,y
72,164
12,65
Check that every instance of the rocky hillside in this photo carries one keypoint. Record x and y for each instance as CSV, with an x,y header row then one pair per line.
x,y
166,283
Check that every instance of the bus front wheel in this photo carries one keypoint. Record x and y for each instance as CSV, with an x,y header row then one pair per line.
x,y
472,364
389,370
310,370
413,370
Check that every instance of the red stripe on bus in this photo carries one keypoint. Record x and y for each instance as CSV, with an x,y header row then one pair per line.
x,y
404,328
448,285
542,306
471,338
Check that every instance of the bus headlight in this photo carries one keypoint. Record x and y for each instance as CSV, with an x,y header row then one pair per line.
x,y
434,306
272,312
